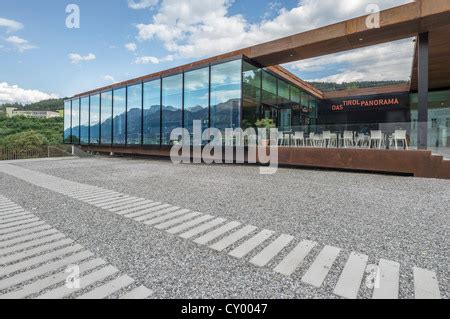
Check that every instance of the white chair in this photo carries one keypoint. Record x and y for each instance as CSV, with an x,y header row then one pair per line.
x,y
400,135
376,139
348,139
280,138
318,140
329,139
362,140
310,139
326,139
287,139
334,139
299,137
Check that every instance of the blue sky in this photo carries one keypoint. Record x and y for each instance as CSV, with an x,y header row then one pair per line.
x,y
121,39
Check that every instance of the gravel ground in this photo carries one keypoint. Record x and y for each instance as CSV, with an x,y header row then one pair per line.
x,y
396,218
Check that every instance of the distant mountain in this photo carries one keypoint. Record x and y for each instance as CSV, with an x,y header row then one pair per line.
x,y
46,105
331,86
170,108
195,109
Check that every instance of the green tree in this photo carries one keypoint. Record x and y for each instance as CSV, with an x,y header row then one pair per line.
x,y
28,140
46,105
51,129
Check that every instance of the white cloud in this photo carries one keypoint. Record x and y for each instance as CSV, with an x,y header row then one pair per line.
x,y
152,59
19,43
77,58
197,28
10,25
13,94
390,61
224,96
131,46
108,78
142,4
147,60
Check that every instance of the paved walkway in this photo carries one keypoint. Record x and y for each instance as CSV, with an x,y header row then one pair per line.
x,y
36,261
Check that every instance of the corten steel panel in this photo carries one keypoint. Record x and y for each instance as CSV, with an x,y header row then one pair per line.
x,y
416,163
378,36
444,170
434,7
396,23
393,16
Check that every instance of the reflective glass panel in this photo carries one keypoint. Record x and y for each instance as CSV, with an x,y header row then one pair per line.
x,y
283,95
152,112
119,116
106,118
84,120
95,119
196,94
226,95
134,114
251,87
283,89
295,95
172,106
269,87
76,121
67,121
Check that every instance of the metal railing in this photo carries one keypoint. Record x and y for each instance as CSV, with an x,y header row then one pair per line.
x,y
11,154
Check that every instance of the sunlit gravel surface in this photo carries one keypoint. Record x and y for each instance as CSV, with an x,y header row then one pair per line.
x,y
402,219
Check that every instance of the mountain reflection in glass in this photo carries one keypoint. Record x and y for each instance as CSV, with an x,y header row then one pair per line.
x,y
134,114
106,118
172,106
84,120
94,120
226,95
152,112
196,98
119,115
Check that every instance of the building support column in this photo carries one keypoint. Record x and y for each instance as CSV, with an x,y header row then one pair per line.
x,y
423,91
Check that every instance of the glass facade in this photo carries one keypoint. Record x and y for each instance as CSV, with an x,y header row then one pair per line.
x,y
438,120
226,91
134,114
172,106
226,95
119,116
268,96
152,113
146,113
237,94
94,120
106,118
67,121
84,120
